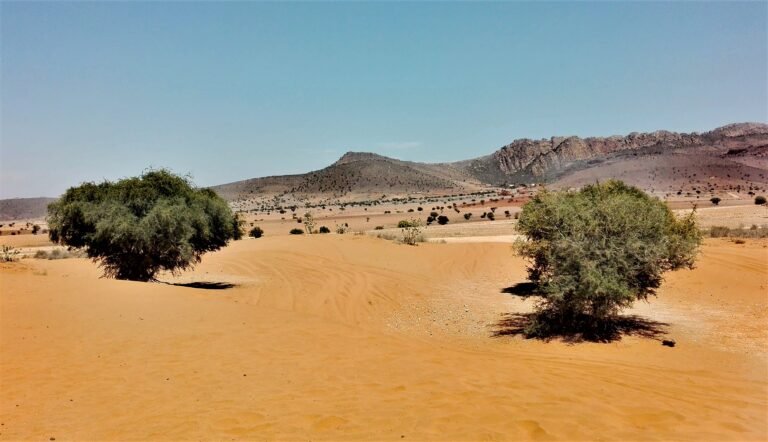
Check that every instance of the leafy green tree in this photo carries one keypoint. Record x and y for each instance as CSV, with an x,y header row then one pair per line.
x,y
138,226
596,251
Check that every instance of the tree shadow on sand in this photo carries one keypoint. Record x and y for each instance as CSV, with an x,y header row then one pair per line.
x,y
521,289
539,325
519,324
207,285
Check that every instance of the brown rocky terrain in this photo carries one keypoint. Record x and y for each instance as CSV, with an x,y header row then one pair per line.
x,y
547,159
23,208
731,160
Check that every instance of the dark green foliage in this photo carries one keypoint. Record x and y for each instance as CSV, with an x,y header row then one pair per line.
x,y
406,223
35,229
238,225
442,220
256,232
596,251
715,200
759,200
324,229
139,226
296,232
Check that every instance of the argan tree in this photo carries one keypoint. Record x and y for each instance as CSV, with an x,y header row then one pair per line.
x,y
596,251
136,227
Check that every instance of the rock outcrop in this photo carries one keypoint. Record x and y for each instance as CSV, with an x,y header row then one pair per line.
x,y
544,159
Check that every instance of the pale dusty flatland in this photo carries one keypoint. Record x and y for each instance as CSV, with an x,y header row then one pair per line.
x,y
351,337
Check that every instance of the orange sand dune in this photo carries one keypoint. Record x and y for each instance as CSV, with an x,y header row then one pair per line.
x,y
350,337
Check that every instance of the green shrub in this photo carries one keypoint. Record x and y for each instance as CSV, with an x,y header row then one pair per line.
x,y
442,220
8,254
715,200
759,200
296,232
467,216
309,222
342,228
407,223
387,236
139,226
725,232
324,229
256,232
596,251
378,228
719,231
412,233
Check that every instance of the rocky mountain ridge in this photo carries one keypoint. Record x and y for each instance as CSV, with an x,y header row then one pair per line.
x,y
543,160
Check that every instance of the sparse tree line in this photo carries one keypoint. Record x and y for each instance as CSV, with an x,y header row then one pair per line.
x,y
592,252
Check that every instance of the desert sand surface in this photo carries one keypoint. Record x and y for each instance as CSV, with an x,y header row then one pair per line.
x,y
337,337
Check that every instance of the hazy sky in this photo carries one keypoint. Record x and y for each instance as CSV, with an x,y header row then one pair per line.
x,y
228,91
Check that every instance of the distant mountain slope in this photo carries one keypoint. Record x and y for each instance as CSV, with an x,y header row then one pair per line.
x,y
544,160
357,174
24,208
736,154
732,158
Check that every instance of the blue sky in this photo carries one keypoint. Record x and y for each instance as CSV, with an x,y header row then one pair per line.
x,y
228,91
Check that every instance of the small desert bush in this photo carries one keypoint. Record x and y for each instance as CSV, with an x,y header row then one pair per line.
x,y
296,232
411,233
324,229
378,228
759,200
442,220
715,200
467,216
256,232
9,254
387,236
58,254
727,232
408,223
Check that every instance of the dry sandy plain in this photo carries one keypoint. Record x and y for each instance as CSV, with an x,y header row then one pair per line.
x,y
338,337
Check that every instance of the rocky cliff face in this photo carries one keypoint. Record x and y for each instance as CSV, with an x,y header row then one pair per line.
x,y
542,159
